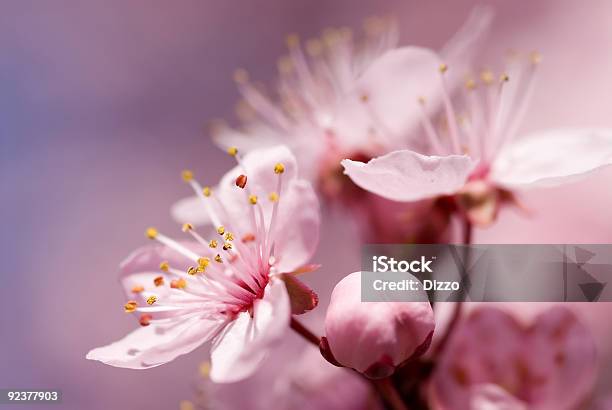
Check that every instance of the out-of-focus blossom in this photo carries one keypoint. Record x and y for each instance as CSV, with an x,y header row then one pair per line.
x,y
477,157
309,382
494,361
233,293
374,337
339,97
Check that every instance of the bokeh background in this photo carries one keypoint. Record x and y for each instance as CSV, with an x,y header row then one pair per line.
x,y
102,103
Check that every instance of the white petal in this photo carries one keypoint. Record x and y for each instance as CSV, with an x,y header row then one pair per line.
x,y
239,350
155,345
386,96
553,157
493,397
409,176
190,210
297,229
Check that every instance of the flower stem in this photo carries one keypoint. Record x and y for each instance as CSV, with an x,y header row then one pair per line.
x,y
304,332
454,320
388,392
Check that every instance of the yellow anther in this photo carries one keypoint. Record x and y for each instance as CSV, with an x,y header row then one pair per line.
x,y
487,77
365,97
232,151
443,68
205,369
241,76
221,230
187,175
421,100
285,65
137,288
227,246
192,270
130,306
187,227
151,299
273,197
158,281
292,40
186,405
151,233
207,191
535,57
330,37
253,199
200,269
503,78
203,262
178,283
218,258
164,266
279,168
212,243
229,236
470,84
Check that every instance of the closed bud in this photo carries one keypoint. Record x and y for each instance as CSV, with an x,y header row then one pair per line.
x,y
374,338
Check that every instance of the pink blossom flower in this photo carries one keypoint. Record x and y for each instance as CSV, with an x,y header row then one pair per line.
x,y
374,337
494,361
339,97
342,95
478,158
233,294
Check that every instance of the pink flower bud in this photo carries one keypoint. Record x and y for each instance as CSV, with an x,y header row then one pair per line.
x,y
374,337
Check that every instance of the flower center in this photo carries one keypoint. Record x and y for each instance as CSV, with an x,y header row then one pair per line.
x,y
492,109
231,270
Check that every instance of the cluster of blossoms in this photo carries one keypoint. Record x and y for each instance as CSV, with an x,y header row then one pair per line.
x,y
368,109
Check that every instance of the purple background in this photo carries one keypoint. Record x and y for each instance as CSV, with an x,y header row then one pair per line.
x,y
103,103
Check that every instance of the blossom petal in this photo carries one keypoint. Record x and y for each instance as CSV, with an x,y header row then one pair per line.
x,y
563,349
553,157
493,397
385,98
297,230
460,51
155,345
190,210
246,342
409,176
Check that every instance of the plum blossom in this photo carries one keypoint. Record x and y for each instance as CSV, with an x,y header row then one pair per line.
x,y
374,337
477,157
344,97
493,361
337,95
229,289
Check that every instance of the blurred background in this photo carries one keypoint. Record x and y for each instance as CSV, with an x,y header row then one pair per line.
x,y
102,103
